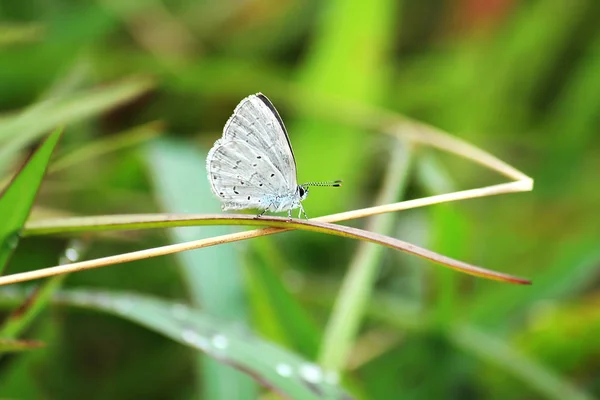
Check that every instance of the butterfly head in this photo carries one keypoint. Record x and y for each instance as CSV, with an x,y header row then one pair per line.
x,y
302,192
303,189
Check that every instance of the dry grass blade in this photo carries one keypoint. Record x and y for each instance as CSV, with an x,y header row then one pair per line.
x,y
278,224
392,124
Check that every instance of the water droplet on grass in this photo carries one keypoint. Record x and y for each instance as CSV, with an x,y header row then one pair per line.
x,y
220,342
311,373
190,336
284,370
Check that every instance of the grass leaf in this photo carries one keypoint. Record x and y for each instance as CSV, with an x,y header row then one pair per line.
x,y
213,275
19,130
280,370
17,199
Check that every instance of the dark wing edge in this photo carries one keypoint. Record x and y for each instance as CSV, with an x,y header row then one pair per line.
x,y
271,107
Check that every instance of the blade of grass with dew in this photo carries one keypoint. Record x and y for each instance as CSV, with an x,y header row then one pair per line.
x,y
348,310
226,342
346,59
213,276
17,199
288,319
19,130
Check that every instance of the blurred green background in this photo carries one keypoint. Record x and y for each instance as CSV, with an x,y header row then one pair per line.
x,y
144,88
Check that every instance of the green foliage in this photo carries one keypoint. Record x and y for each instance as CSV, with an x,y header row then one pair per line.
x,y
17,198
518,79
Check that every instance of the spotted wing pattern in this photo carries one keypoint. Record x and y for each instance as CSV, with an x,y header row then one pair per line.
x,y
241,177
256,121
252,165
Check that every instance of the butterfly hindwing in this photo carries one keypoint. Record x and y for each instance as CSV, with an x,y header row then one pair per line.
x,y
241,176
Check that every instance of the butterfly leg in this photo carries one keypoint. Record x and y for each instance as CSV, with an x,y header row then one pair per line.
x,y
263,212
301,211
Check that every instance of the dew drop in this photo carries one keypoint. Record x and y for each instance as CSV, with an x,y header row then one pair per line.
x,y
72,254
12,241
284,370
189,336
192,337
220,342
311,373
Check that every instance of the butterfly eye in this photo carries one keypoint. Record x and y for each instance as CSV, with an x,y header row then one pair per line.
x,y
302,192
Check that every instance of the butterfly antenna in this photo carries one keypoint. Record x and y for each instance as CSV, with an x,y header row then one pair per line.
x,y
337,183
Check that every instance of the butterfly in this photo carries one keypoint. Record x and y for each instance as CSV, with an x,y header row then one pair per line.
x,y
253,164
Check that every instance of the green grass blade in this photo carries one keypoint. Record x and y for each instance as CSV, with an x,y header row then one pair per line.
x,y
449,234
574,267
277,310
356,289
14,34
495,351
104,146
36,301
346,59
213,276
227,343
19,130
17,199
277,225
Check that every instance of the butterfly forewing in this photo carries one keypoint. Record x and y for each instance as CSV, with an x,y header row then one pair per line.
x,y
256,122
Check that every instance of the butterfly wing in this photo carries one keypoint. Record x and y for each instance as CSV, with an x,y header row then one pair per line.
x,y
242,177
257,122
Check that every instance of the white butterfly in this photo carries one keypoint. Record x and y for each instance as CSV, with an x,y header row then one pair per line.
x,y
253,165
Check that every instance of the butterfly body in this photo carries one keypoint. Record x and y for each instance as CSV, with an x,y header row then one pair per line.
x,y
253,164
